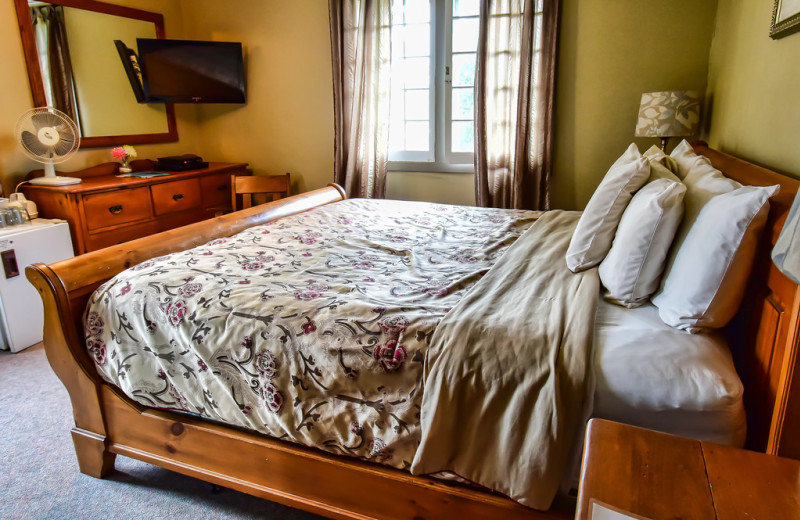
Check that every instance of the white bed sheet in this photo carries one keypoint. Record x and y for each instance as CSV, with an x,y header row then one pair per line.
x,y
650,375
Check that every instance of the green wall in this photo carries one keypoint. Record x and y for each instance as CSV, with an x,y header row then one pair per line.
x,y
754,84
610,53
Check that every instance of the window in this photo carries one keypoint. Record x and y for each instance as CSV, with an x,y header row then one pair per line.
x,y
434,48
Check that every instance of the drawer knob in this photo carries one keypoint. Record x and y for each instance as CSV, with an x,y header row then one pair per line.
x,y
177,196
115,210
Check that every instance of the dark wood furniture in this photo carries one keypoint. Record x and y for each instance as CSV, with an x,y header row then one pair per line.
x,y
660,476
35,72
277,186
105,210
107,423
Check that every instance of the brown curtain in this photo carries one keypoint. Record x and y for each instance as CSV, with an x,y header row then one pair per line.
x,y
54,58
514,91
361,54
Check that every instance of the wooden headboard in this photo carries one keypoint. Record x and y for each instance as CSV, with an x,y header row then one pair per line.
x,y
764,335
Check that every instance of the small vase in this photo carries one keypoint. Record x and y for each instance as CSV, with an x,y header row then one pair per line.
x,y
125,168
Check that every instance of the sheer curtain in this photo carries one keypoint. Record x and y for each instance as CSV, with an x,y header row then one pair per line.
x,y
361,54
514,84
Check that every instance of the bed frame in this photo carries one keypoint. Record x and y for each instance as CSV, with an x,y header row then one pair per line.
x,y
763,338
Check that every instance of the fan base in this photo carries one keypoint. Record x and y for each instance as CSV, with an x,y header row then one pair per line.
x,y
54,181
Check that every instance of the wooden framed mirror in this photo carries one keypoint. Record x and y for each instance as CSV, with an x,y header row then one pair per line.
x,y
83,72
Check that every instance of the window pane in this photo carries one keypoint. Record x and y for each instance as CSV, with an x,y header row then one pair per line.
x,y
463,103
418,11
417,135
418,39
466,8
418,104
463,136
463,70
465,35
416,72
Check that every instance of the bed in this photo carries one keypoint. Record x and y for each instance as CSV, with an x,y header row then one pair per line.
x,y
109,423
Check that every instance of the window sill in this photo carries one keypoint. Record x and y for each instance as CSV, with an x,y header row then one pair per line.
x,y
429,167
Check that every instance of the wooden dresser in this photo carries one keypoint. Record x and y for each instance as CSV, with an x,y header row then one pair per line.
x,y
105,210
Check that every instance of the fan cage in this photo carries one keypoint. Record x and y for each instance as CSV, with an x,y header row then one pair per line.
x,y
29,126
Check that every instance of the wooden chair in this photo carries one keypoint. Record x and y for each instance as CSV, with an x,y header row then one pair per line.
x,y
275,185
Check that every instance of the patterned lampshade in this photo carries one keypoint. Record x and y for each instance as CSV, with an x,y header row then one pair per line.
x,y
668,114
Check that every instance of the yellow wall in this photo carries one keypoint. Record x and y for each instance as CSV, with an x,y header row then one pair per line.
x,y
107,103
16,99
287,123
611,52
754,83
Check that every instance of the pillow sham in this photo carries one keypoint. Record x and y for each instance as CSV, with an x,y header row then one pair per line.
x,y
656,155
713,252
631,271
595,230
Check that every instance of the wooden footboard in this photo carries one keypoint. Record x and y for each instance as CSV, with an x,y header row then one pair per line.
x,y
107,423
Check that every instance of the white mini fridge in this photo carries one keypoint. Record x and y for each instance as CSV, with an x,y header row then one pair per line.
x,y
21,311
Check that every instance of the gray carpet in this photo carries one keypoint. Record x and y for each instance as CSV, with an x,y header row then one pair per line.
x,y
39,475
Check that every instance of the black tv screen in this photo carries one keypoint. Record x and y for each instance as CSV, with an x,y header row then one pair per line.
x,y
188,71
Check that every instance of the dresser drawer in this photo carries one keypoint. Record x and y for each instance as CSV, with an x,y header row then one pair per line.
x,y
216,190
175,196
117,207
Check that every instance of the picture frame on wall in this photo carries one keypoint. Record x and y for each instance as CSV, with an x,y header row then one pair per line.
x,y
785,18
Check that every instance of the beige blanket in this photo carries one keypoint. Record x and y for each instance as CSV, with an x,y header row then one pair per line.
x,y
505,374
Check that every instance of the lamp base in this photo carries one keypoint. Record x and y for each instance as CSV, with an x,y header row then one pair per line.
x,y
664,141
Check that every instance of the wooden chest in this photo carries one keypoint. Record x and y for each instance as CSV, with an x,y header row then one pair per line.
x,y
105,210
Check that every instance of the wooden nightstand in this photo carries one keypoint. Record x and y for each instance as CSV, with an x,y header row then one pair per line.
x,y
659,476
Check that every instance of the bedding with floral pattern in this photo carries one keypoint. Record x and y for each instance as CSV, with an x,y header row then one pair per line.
x,y
312,328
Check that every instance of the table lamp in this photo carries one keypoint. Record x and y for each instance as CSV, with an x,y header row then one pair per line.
x,y
668,114
786,253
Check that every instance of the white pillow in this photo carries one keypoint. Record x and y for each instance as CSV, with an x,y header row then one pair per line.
x,y
686,158
656,155
713,251
631,271
595,230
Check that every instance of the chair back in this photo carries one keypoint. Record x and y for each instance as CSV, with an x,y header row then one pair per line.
x,y
245,187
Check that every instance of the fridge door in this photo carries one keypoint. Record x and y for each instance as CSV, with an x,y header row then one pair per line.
x,y
21,310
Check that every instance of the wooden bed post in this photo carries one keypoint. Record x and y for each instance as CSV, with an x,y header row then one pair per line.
x,y
81,381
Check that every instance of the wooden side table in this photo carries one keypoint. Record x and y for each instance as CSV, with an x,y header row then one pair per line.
x,y
653,475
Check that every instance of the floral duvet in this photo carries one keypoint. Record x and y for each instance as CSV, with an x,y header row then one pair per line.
x,y
312,328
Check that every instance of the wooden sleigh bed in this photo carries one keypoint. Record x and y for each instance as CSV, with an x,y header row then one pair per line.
x,y
763,339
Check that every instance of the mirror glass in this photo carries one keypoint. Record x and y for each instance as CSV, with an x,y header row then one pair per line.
x,y
81,73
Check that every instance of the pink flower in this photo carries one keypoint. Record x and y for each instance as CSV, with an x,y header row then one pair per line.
x,y
143,265
306,240
98,351
307,295
119,153
94,324
390,355
243,282
125,290
362,265
369,280
272,397
190,289
202,365
252,266
266,364
393,325
306,254
309,327
175,312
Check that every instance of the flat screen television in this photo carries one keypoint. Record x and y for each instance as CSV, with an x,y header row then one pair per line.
x,y
189,71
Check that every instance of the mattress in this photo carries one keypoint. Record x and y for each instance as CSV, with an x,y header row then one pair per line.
x,y
650,375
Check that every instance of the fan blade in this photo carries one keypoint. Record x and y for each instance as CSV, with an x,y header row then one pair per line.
x,y
63,147
45,119
33,145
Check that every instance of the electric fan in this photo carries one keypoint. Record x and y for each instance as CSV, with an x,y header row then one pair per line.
x,y
50,137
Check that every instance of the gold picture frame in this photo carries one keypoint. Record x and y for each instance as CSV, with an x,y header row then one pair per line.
x,y
785,18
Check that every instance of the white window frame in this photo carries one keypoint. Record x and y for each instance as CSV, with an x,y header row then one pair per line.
x,y
441,89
